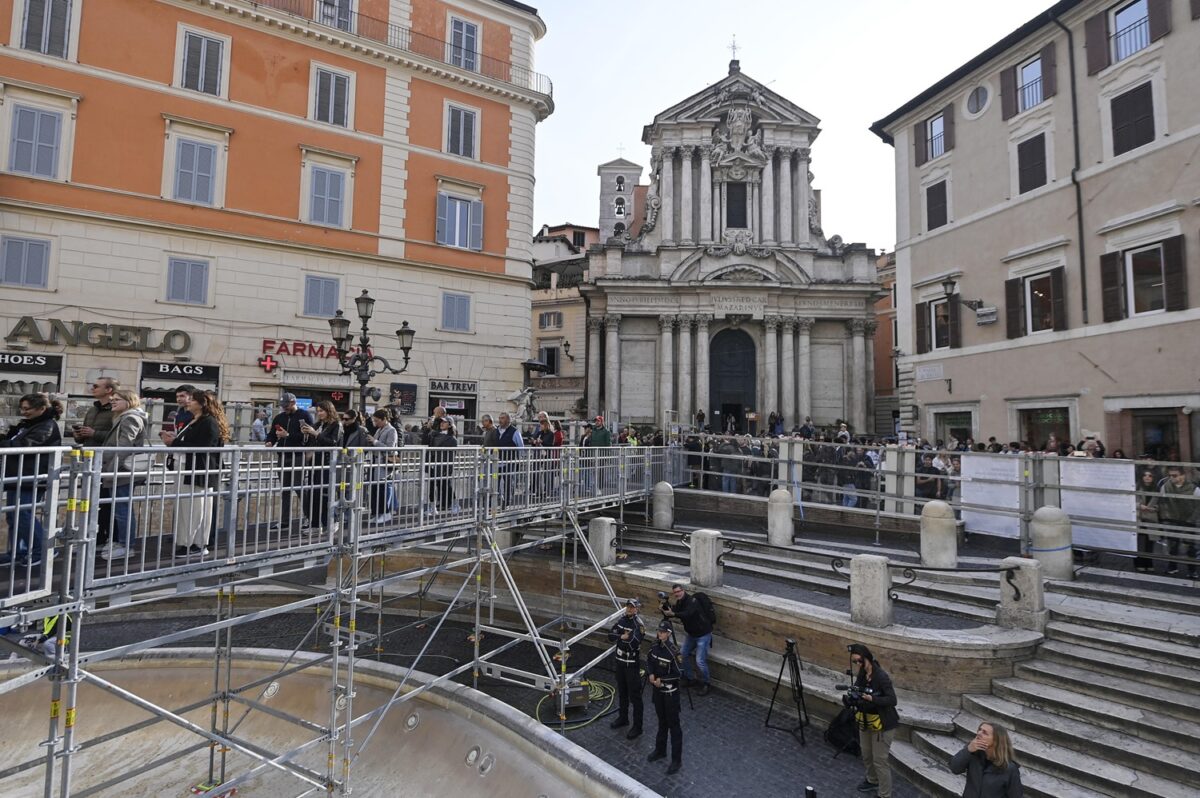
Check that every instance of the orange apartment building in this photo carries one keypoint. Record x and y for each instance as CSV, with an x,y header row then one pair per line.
x,y
189,189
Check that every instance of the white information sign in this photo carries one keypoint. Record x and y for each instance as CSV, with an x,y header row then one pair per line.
x,y
1109,497
995,481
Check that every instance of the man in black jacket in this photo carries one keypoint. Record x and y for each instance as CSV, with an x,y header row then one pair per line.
x,y
286,431
627,633
877,719
687,609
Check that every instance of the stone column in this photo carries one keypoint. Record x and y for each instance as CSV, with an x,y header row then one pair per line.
x,y
702,401
612,364
686,370
858,399
780,529
801,197
939,536
768,198
664,506
804,365
755,225
870,591
602,532
789,374
666,375
1023,599
785,195
685,194
593,365
869,387
667,210
706,197
771,366
1052,539
716,213
707,546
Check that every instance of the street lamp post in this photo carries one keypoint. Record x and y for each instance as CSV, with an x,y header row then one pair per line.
x,y
361,363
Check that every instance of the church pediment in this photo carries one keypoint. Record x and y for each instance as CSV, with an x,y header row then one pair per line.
x,y
724,264
736,90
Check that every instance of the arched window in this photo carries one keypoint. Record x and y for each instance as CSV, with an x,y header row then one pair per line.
x,y
618,228
619,206
620,184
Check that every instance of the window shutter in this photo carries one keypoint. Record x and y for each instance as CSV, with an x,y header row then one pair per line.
x,y
1058,290
1008,93
46,163
455,142
177,280
443,210
14,262
468,134
477,224
185,170
1175,274
948,127
212,66
316,211
1112,286
341,100
447,312
954,307
1014,306
1049,71
920,144
193,54
60,21
922,327
35,23
335,184
1195,9
1096,41
197,290
206,156
1159,13
24,138
37,263
330,297
323,92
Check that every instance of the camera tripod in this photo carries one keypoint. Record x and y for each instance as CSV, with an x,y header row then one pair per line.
x,y
792,664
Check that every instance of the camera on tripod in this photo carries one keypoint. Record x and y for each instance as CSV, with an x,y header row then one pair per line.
x,y
853,695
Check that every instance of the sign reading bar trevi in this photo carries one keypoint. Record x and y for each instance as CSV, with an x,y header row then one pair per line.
x,y
453,386
103,336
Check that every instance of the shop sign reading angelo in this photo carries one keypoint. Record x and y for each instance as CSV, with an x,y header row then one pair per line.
x,y
103,336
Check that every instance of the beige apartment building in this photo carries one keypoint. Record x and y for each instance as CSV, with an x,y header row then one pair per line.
x,y
559,322
1047,257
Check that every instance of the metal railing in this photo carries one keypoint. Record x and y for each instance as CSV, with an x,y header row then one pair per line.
x,y
1031,94
340,17
937,145
1131,39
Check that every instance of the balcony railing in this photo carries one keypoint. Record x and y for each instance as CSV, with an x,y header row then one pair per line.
x,y
937,145
339,17
1031,94
1131,39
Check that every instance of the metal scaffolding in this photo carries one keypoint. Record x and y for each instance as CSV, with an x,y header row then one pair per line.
x,y
492,493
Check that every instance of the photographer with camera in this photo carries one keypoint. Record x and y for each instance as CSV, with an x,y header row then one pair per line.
x,y
873,700
627,633
662,669
696,613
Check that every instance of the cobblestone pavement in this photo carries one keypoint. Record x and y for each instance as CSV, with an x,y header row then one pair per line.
x,y
727,750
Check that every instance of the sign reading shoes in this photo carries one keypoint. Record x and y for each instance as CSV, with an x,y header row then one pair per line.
x,y
31,364
103,336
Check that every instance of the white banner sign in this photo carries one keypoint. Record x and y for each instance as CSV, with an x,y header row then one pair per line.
x,y
993,480
1102,478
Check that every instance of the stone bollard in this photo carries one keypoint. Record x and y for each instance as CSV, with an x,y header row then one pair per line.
x,y
780,529
939,536
505,538
870,589
1029,611
1051,533
707,546
664,506
602,535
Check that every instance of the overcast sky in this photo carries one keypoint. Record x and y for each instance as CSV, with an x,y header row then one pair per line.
x,y
849,62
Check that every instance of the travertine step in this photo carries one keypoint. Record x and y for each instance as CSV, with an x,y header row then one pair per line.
x,y
1102,712
1125,642
1160,625
941,747
1142,596
1184,704
1128,750
926,772
1122,665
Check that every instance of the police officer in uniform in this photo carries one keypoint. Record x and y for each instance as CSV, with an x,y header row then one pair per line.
x,y
627,633
662,664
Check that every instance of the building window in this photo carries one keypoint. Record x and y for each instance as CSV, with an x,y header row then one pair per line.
x,y
321,295
939,323
936,213
619,207
1133,119
977,100
620,184
195,167
935,129
327,196
1131,29
1031,163
203,63
336,14
464,43
1039,303
1029,92
460,132
1036,303
47,27
579,239
1144,280
35,142
735,205
459,222
550,320
548,354
331,101
187,281
1039,424
26,262
456,312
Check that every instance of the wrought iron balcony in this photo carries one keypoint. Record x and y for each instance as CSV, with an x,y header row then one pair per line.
x,y
340,17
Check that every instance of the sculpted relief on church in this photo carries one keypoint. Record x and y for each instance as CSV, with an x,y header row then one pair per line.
x,y
734,141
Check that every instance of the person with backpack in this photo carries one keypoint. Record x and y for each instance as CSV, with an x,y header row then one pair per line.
x,y
698,617
875,713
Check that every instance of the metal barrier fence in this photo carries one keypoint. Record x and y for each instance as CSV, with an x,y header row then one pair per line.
x,y
157,514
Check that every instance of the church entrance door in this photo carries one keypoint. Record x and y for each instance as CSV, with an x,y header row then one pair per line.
x,y
732,379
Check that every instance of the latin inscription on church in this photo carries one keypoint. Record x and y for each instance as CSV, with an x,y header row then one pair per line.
x,y
739,304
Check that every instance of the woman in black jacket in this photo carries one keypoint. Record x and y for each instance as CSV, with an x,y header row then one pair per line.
x,y
988,763
441,469
38,427
201,471
327,434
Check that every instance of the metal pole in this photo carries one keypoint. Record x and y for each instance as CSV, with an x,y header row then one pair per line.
x,y
76,535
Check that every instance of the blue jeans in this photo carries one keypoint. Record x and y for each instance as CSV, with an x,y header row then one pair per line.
x,y
699,645
728,483
21,520
850,495
126,522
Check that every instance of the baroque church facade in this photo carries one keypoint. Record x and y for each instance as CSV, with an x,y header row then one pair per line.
x,y
714,289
